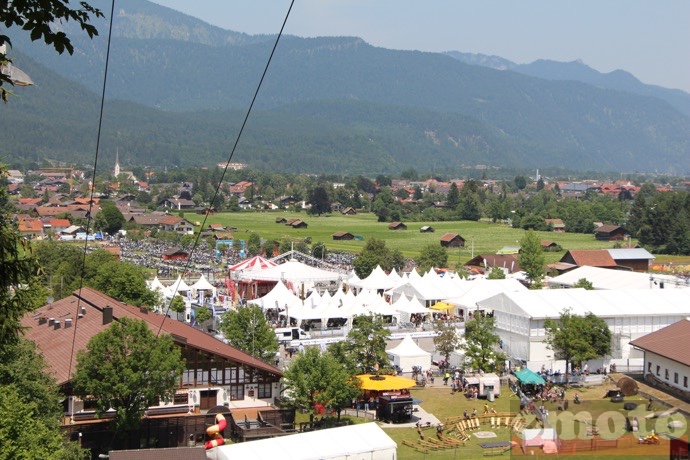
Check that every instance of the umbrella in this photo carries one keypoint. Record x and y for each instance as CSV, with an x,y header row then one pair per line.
x,y
442,306
385,382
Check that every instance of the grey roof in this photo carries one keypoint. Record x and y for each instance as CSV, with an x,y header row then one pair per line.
x,y
630,254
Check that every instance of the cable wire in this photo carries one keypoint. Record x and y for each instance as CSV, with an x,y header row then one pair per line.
x,y
232,153
89,214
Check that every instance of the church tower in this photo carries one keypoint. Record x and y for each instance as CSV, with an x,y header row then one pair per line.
x,y
116,169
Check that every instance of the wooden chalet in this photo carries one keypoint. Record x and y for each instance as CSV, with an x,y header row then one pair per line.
x,y
556,224
610,233
550,246
452,240
426,229
340,236
397,226
349,211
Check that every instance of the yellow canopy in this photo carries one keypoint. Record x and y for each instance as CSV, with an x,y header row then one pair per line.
x,y
385,382
442,306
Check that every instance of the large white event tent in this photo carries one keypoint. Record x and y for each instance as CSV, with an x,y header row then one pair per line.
x,y
629,313
606,278
300,275
407,354
362,441
480,289
428,289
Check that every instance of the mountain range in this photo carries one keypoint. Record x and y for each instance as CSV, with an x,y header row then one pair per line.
x,y
178,90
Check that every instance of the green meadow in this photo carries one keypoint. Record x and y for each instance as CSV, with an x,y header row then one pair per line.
x,y
481,237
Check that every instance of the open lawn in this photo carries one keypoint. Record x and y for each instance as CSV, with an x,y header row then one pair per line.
x,y
481,237
594,410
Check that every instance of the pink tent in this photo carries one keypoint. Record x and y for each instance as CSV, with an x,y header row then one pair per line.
x,y
255,263
248,289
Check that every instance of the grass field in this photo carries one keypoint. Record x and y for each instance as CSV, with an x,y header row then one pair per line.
x,y
481,237
439,401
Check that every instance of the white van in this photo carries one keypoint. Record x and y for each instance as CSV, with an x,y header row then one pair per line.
x,y
288,334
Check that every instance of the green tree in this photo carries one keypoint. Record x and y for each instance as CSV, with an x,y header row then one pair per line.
x,y
376,253
254,244
20,287
31,408
109,219
453,197
37,18
318,378
531,258
447,340
318,250
496,273
247,329
125,282
520,182
128,368
366,344
584,284
575,339
177,305
432,255
202,314
481,344
320,201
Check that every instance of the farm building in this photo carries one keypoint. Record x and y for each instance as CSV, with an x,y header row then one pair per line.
x,y
452,240
610,233
339,236
426,229
397,226
665,363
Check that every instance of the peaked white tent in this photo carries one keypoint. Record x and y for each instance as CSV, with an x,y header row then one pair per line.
x,y
179,287
378,279
202,284
279,297
407,354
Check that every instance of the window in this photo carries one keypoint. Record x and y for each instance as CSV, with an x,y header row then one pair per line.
x,y
658,370
649,367
236,392
264,390
675,377
685,381
666,373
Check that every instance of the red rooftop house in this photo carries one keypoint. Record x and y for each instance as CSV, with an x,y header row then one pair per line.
x,y
216,375
397,226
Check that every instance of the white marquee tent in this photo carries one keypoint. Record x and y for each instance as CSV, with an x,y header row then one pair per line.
x,y
362,441
629,313
407,354
605,278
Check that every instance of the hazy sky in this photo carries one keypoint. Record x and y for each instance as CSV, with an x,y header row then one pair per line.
x,y
649,38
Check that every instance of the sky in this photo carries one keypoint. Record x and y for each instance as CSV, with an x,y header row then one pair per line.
x,y
648,38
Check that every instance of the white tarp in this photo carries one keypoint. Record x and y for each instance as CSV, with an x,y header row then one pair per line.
x,y
378,279
202,284
292,270
361,441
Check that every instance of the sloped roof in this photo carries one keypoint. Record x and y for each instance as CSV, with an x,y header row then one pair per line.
x,y
592,257
56,345
618,303
630,254
605,278
664,342
607,228
451,237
